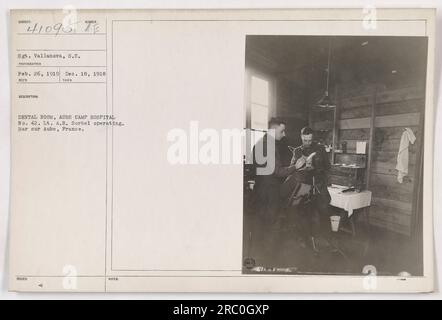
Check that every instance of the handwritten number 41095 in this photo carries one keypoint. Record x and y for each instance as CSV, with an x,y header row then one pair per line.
x,y
88,27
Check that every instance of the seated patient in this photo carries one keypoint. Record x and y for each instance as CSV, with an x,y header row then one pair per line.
x,y
306,189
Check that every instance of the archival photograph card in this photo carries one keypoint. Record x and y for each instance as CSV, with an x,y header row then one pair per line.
x,y
222,150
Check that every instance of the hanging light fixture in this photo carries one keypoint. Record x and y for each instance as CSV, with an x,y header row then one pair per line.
x,y
326,101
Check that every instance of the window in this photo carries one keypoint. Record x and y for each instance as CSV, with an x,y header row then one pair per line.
x,y
259,107
260,100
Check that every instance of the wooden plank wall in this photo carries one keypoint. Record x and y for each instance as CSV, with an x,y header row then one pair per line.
x,y
395,110
291,106
322,120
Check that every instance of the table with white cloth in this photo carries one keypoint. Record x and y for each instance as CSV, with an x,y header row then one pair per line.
x,y
349,201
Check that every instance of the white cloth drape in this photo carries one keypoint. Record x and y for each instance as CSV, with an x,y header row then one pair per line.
x,y
349,201
402,157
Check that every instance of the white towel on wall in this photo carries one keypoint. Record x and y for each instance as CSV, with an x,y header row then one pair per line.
x,y
402,157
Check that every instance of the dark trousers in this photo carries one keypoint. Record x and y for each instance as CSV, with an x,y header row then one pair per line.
x,y
267,203
266,208
314,217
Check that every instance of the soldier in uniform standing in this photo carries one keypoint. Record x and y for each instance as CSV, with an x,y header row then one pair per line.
x,y
267,197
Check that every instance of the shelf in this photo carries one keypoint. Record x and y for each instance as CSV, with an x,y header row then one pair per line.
x,y
352,153
338,165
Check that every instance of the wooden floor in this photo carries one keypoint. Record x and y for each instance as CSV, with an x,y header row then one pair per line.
x,y
340,253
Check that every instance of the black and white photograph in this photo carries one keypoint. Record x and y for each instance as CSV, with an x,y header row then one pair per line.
x,y
236,151
346,117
